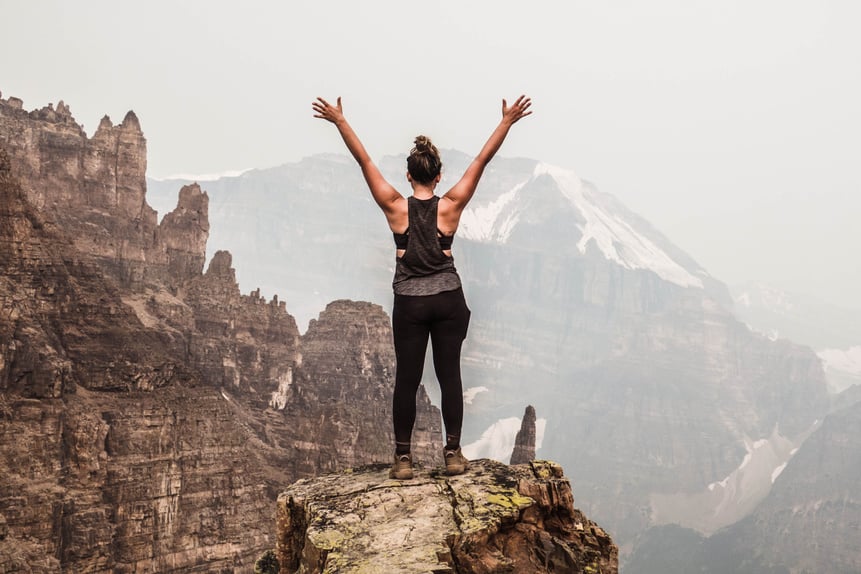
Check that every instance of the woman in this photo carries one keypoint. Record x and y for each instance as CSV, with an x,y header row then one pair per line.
x,y
429,299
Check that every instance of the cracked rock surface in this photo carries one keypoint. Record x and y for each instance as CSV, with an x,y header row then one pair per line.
x,y
494,518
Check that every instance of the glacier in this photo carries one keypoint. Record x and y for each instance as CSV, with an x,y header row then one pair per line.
x,y
616,238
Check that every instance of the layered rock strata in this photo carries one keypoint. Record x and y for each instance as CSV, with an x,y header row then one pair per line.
x,y
493,519
150,412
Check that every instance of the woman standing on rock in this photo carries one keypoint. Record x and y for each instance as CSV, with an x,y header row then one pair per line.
x,y
429,300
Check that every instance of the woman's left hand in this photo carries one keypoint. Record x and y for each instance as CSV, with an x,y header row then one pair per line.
x,y
519,109
327,111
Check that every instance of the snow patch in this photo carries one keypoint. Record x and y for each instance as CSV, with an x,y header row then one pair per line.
x,y
470,393
769,298
615,237
279,397
772,452
726,501
776,472
540,426
771,335
497,442
491,222
847,361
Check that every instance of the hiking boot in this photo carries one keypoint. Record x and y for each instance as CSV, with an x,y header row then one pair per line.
x,y
455,462
402,469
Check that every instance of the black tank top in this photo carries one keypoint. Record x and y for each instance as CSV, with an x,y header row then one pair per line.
x,y
424,269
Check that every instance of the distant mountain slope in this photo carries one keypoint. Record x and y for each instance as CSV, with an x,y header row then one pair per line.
x,y
777,313
808,523
834,331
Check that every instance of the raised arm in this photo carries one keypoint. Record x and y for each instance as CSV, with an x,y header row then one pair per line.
x,y
463,190
386,196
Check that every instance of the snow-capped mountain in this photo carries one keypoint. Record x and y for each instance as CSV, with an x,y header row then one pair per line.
x,y
595,220
613,234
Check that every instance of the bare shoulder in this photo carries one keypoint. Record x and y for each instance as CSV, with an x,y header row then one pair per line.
x,y
448,214
449,203
397,215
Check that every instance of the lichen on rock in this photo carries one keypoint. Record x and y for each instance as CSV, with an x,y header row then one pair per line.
x,y
495,518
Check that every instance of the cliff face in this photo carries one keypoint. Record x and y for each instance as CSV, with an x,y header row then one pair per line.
x,y
492,519
94,187
149,412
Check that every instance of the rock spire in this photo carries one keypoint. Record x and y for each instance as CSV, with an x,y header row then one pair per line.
x,y
524,442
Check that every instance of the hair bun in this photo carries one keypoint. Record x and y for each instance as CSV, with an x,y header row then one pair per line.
x,y
423,144
424,163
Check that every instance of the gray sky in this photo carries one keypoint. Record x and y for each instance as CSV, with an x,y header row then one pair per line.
x,y
732,125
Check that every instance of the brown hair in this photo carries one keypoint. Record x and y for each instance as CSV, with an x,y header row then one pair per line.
x,y
424,163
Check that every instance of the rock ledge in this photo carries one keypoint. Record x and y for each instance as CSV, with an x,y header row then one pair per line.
x,y
495,518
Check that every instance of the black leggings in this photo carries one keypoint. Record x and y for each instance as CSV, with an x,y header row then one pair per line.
x,y
445,317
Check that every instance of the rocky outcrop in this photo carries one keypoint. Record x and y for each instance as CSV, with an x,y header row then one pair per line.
x,y
524,442
493,519
149,411
184,232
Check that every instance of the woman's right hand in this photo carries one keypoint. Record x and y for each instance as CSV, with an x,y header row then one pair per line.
x,y
517,110
327,111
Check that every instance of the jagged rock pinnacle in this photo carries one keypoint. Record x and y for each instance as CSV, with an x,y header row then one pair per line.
x,y
524,443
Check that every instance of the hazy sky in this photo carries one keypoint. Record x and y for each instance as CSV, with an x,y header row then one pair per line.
x,y
732,125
